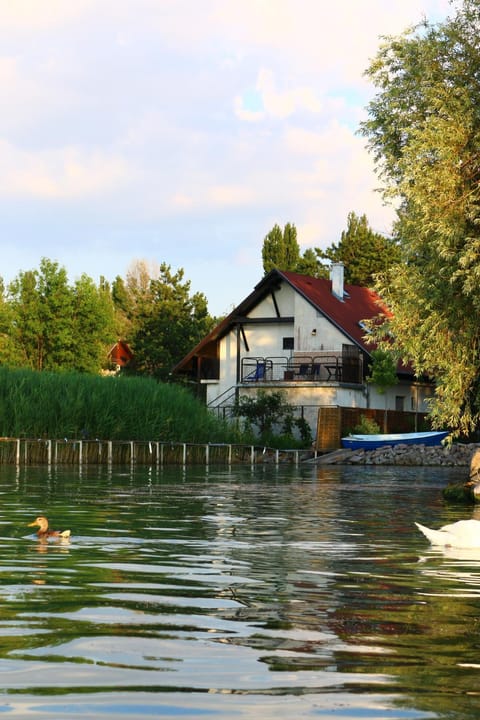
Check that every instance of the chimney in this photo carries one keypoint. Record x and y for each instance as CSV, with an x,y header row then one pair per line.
x,y
336,276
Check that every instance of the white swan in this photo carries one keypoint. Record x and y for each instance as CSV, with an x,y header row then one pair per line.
x,y
461,534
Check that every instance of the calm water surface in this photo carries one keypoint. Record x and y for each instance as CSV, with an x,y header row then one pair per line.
x,y
244,593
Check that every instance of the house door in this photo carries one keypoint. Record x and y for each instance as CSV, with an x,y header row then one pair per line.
x,y
351,364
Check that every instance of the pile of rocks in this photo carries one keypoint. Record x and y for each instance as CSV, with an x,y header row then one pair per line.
x,y
455,455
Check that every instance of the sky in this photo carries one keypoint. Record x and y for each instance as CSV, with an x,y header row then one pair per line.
x,y
182,131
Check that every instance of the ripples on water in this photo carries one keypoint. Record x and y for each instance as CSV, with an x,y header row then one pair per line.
x,y
250,593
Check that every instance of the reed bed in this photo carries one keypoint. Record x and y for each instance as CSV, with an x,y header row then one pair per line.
x,y
71,405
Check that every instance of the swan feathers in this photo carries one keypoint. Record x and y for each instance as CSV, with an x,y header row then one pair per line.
x,y
461,534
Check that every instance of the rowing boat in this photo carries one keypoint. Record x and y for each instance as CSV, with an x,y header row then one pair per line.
x,y
372,442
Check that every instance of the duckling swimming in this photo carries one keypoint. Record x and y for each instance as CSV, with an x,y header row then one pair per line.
x,y
43,531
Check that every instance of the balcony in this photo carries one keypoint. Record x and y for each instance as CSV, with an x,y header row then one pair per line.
x,y
321,368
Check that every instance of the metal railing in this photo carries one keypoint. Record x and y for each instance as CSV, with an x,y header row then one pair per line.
x,y
326,367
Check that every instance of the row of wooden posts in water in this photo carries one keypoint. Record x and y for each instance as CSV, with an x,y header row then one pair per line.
x,y
24,451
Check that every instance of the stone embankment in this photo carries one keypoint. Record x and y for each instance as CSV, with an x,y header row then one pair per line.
x,y
455,455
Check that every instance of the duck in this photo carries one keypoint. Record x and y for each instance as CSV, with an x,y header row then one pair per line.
x,y
460,534
43,531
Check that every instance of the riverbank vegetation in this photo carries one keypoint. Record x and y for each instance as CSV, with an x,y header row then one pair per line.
x,y
73,405
77,406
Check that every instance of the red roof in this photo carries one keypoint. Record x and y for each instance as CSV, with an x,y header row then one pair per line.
x,y
358,304
120,353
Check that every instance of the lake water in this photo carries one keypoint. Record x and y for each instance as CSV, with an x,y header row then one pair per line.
x,y
235,593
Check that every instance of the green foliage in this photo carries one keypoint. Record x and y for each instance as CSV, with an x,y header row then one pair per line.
x,y
366,426
47,324
273,418
281,249
56,405
168,323
92,324
308,263
123,311
424,130
383,370
383,374
363,252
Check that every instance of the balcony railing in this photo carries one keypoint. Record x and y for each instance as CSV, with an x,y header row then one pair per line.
x,y
322,368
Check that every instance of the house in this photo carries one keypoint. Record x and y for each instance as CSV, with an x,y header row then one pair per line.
x,y
307,337
120,354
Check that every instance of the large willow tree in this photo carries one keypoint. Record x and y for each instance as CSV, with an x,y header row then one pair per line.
x,y
424,130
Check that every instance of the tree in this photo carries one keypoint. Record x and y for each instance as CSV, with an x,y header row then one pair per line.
x,y
310,265
41,311
169,322
383,374
424,130
363,252
46,324
7,346
281,249
93,324
122,306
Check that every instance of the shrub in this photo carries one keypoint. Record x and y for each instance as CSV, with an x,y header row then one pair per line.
x,y
366,426
274,420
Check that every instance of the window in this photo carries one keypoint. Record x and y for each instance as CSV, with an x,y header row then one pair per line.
x,y
399,403
364,327
288,343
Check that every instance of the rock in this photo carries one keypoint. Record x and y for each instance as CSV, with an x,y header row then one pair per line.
x,y
475,466
457,455
459,492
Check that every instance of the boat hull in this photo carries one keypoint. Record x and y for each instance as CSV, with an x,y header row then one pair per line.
x,y
373,442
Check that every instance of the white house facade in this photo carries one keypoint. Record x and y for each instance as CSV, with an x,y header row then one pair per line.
x,y
306,337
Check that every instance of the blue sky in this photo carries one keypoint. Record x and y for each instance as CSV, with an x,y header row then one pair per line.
x,y
181,131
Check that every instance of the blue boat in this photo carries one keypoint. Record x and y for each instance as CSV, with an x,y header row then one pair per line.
x,y
372,442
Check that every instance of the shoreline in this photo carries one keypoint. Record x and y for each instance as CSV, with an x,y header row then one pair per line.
x,y
454,455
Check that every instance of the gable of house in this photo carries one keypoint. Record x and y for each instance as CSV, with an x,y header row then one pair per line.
x,y
303,305
348,313
120,354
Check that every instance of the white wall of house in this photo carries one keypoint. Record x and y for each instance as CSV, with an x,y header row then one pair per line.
x,y
410,397
313,332
285,297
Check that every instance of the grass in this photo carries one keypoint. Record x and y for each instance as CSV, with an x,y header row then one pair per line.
x,y
72,405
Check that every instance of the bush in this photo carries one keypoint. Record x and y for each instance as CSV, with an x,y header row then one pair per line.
x,y
274,420
366,426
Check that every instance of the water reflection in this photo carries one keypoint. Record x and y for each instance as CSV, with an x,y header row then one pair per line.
x,y
272,592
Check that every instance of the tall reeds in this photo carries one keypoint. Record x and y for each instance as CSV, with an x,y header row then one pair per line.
x,y
57,405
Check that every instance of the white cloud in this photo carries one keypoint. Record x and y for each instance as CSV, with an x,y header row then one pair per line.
x,y
275,102
25,15
182,129
57,174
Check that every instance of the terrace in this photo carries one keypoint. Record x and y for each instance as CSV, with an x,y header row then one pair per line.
x,y
321,367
